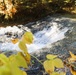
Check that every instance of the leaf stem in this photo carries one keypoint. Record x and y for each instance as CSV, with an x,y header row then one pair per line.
x,y
37,59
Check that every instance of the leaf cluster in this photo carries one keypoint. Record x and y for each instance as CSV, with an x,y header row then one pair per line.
x,y
51,63
11,65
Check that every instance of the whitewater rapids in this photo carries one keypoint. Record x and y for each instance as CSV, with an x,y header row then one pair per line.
x,y
42,38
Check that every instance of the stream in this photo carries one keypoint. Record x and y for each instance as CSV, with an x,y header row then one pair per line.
x,y
58,32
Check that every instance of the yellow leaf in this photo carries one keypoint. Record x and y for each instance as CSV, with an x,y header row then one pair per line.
x,y
27,38
62,73
72,58
28,58
14,41
48,66
14,69
49,56
5,70
13,59
19,60
9,67
22,46
58,63
57,73
4,65
24,73
3,60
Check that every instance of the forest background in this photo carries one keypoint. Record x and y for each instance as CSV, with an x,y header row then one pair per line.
x,y
14,12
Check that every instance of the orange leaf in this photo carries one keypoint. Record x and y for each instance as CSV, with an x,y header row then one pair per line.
x,y
73,71
14,41
14,10
72,58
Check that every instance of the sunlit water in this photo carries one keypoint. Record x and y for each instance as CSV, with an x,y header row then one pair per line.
x,y
47,36
41,38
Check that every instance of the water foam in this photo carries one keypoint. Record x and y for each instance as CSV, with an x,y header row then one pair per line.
x,y
41,38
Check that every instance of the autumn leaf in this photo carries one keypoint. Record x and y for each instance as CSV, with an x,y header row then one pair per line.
x,y
24,73
49,56
27,38
28,58
72,70
13,10
22,46
52,62
9,68
5,70
62,73
48,66
14,41
72,58
19,60
57,73
58,63
3,60
15,70
4,65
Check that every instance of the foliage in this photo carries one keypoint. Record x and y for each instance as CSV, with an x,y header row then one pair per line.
x,y
10,65
72,62
27,38
7,67
7,8
52,62
10,7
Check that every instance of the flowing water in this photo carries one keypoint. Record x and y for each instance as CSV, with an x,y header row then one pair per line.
x,y
47,36
45,32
